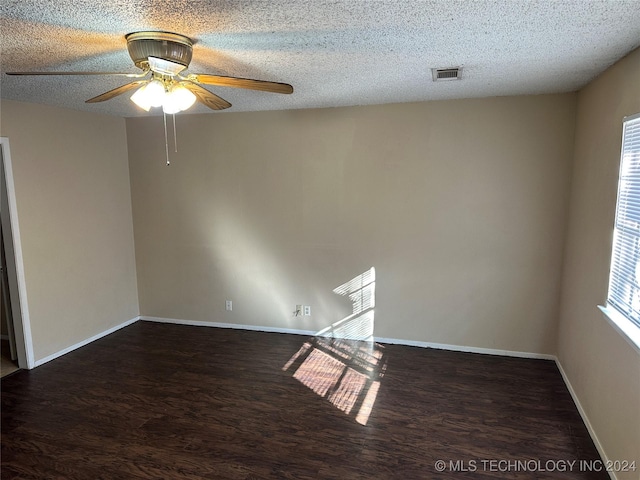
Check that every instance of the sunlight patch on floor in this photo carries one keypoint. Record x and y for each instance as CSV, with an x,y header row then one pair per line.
x,y
346,373
342,363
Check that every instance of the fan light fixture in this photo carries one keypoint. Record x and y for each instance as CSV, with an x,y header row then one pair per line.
x,y
154,94
163,58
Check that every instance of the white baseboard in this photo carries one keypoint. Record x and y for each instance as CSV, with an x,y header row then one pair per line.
x,y
585,419
98,336
199,323
463,348
411,343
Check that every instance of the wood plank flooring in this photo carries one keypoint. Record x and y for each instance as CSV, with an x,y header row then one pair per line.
x,y
158,401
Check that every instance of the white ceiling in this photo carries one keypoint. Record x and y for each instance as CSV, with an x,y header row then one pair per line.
x,y
334,53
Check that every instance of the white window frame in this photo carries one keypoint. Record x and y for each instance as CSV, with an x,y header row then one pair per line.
x,y
622,309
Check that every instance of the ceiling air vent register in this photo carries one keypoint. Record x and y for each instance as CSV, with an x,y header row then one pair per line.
x,y
444,74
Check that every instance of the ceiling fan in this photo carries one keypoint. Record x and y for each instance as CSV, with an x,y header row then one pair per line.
x,y
163,57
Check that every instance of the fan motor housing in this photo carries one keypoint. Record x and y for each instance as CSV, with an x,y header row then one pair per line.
x,y
168,46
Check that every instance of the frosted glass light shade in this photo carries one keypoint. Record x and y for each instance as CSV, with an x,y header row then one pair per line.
x,y
140,99
178,99
150,95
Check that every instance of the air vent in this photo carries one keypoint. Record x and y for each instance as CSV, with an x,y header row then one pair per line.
x,y
442,74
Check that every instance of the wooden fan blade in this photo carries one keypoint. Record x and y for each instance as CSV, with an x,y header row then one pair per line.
x,y
116,91
205,97
121,74
237,82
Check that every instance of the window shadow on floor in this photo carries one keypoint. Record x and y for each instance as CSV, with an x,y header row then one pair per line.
x,y
347,373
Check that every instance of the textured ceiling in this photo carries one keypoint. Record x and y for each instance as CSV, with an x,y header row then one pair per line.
x,y
334,53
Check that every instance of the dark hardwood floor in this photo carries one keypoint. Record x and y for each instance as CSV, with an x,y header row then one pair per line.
x,y
158,401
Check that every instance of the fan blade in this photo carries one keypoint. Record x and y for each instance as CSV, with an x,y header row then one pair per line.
x,y
204,96
116,91
121,74
237,82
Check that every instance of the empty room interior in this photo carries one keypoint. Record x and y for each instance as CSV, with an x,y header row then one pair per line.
x,y
378,245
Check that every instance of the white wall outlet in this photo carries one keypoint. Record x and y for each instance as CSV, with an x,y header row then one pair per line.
x,y
228,305
307,310
298,311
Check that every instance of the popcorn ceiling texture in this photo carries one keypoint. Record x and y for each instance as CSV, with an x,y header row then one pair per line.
x,y
334,53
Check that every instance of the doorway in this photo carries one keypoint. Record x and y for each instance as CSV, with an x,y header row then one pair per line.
x,y
15,339
8,353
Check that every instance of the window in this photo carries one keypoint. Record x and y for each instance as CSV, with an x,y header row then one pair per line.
x,y
624,281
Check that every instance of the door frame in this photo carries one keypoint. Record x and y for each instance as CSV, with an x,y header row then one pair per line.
x,y
7,297
15,264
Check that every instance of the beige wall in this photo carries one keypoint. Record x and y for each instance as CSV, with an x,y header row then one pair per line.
x,y
459,205
602,367
74,209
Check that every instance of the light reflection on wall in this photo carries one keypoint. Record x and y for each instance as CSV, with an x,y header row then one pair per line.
x,y
361,290
248,264
342,363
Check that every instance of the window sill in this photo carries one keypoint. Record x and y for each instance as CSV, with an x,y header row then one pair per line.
x,y
624,326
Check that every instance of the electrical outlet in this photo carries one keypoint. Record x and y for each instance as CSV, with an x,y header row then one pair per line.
x,y
228,305
298,311
307,310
